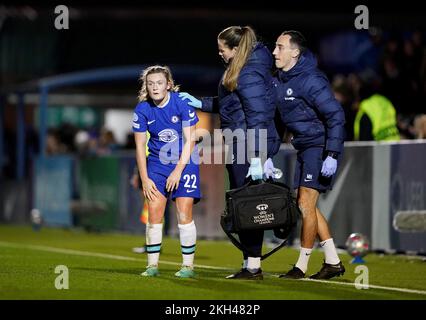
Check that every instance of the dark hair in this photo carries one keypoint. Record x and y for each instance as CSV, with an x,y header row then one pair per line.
x,y
296,38
244,38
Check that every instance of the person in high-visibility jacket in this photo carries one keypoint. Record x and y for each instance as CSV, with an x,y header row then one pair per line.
x,y
376,120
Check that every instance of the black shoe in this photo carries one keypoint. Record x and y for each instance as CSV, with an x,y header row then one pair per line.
x,y
329,271
244,274
294,273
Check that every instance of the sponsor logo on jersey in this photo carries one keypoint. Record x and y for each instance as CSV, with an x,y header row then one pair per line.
x,y
168,135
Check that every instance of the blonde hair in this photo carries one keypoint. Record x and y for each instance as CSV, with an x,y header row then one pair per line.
x,y
143,92
244,38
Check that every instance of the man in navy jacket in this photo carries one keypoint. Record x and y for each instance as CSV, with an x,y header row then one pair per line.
x,y
311,113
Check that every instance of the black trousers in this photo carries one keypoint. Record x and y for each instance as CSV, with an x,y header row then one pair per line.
x,y
251,239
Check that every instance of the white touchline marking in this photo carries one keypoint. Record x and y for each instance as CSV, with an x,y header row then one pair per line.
x,y
117,257
97,254
370,286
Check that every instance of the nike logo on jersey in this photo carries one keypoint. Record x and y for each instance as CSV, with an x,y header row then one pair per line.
x,y
191,114
189,191
152,121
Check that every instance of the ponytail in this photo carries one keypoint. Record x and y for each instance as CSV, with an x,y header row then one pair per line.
x,y
244,38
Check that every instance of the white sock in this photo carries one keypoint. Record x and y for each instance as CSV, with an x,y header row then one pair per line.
x,y
253,264
154,236
304,256
330,252
188,238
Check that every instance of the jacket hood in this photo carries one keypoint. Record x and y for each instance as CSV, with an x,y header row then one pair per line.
x,y
260,55
305,63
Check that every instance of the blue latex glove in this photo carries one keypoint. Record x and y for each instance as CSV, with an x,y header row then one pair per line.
x,y
268,169
194,102
255,169
329,167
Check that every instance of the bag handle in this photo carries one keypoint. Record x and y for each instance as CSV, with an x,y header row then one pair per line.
x,y
244,249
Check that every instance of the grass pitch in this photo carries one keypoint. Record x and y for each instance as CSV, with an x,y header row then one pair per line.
x,y
102,266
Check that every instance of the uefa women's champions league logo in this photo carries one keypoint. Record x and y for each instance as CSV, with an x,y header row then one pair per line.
x,y
262,207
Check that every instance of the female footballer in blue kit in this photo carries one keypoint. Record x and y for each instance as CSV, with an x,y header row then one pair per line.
x,y
172,167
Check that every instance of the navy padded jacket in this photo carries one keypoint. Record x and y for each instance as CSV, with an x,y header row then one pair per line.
x,y
252,104
308,107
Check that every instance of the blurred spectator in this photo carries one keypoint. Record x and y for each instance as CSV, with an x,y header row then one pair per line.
x,y
81,142
54,144
420,126
392,50
400,76
393,83
107,143
402,71
354,83
130,141
405,126
66,133
93,142
345,95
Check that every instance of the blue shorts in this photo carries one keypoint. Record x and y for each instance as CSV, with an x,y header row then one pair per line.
x,y
308,170
189,185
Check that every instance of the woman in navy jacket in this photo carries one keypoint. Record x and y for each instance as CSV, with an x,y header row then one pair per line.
x,y
246,103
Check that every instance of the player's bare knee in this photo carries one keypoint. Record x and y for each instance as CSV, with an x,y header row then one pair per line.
x,y
302,211
155,219
155,214
184,218
306,208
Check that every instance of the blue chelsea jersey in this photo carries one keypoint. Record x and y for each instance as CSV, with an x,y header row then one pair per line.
x,y
165,125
